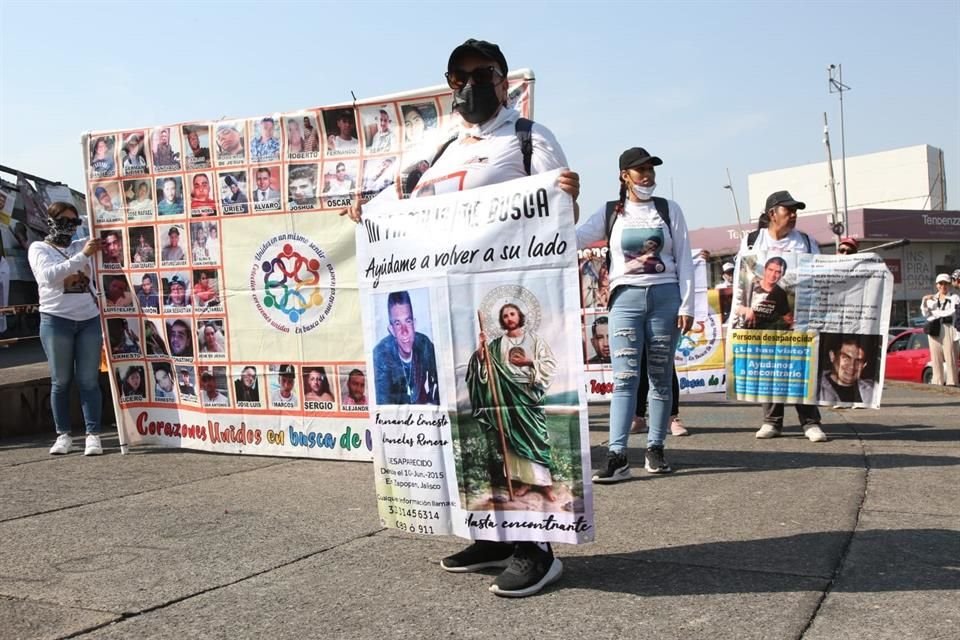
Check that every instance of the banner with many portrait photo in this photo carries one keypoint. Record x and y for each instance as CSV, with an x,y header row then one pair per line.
x,y
809,329
699,356
227,277
471,317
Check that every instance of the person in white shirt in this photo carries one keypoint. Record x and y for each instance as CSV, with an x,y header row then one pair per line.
x,y
477,74
651,302
777,234
69,323
211,396
940,308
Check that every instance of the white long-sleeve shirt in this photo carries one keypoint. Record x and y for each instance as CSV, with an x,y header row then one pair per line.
x,y
643,251
61,292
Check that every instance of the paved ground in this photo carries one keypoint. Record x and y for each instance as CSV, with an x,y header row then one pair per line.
x,y
855,538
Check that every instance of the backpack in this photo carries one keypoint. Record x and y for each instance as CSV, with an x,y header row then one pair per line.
x,y
752,238
610,217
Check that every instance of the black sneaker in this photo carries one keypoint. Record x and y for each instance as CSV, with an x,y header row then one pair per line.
x,y
655,462
482,554
617,469
530,570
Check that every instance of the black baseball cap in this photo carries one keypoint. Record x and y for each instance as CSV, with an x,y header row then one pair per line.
x,y
486,49
784,198
636,156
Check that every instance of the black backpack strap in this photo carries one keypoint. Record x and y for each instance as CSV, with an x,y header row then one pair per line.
x,y
663,210
442,148
806,239
752,238
523,129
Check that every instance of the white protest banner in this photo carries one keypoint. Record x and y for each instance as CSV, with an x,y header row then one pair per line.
x,y
471,319
228,278
809,329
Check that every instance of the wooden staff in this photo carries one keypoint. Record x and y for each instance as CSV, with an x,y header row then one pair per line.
x,y
496,405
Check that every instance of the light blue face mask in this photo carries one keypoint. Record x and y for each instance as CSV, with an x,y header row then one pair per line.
x,y
644,193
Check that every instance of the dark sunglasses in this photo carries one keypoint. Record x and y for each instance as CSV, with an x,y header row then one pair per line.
x,y
843,251
458,78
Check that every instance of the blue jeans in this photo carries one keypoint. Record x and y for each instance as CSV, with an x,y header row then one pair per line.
x,y
73,351
642,318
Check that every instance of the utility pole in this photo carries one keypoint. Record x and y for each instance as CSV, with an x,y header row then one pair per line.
x,y
729,186
836,86
837,227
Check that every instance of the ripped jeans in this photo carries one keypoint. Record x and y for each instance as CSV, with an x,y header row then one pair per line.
x,y
642,318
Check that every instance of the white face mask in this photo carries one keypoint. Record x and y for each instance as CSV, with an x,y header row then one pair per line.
x,y
644,193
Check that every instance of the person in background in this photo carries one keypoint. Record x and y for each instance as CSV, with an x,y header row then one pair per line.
x,y
69,324
726,279
848,246
940,308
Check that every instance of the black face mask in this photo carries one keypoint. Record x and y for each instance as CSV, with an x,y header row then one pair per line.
x,y
62,230
476,103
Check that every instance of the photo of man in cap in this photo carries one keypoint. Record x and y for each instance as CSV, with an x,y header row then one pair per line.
x,y
211,396
177,298
172,251
233,193
284,395
134,159
106,206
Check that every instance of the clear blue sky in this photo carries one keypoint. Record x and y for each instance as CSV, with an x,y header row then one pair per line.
x,y
705,85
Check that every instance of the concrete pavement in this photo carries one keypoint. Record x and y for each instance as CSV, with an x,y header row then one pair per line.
x,y
858,537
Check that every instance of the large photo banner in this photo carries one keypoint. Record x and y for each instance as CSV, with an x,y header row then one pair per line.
x,y
227,277
699,358
809,329
472,318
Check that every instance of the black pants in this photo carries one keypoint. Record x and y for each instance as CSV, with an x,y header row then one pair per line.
x,y
809,414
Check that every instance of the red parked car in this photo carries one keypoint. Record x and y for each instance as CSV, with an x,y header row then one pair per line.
x,y
908,357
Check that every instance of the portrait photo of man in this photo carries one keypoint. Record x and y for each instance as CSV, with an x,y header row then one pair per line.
x,y
166,150
230,143
147,294
404,361
102,152
111,248
180,338
284,394
213,383
521,366
201,198
172,252
302,186
265,146
197,148
133,156
142,247
341,127
600,341
764,304
171,196
106,203
847,374
379,129
246,386
342,182
186,379
177,295
233,193
266,196
162,382
353,392
139,199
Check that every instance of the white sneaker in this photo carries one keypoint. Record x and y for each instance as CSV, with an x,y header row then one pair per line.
x,y
766,431
815,434
93,447
63,445
677,428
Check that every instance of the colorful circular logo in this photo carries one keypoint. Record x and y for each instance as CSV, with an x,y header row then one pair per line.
x,y
293,283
